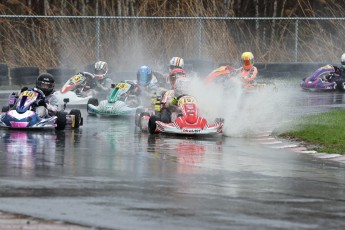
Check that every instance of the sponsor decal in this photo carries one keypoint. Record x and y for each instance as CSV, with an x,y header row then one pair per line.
x,y
191,130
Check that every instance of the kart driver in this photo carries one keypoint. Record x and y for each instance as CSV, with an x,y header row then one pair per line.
x,y
48,106
147,82
103,82
163,79
174,63
339,72
98,82
180,84
247,72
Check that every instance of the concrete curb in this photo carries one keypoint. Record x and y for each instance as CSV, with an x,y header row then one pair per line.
x,y
271,141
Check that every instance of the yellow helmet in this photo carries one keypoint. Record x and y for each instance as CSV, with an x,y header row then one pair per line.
x,y
247,60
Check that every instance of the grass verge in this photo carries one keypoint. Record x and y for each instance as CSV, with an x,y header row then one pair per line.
x,y
323,132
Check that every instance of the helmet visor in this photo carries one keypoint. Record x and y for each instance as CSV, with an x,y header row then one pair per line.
x,y
100,72
43,85
247,63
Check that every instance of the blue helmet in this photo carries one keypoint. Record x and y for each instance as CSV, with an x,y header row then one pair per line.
x,y
144,75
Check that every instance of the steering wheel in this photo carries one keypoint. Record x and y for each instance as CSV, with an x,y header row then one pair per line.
x,y
40,92
90,79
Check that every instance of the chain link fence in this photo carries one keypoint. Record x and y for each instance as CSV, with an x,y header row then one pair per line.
x,y
128,42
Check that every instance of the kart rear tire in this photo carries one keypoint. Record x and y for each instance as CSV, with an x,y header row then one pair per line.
x,y
137,116
91,101
5,109
152,124
341,86
77,117
61,121
140,117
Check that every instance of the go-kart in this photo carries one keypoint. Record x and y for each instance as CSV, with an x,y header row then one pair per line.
x,y
120,102
317,80
78,89
20,113
229,77
187,121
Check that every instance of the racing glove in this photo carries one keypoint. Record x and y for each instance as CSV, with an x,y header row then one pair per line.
x,y
42,103
174,101
24,89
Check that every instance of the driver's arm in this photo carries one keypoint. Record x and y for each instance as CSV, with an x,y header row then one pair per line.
x,y
53,104
106,86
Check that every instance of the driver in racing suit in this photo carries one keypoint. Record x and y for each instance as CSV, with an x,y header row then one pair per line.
x,y
339,72
48,106
180,84
103,82
247,72
98,82
147,83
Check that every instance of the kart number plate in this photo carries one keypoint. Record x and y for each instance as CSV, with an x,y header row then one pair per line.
x,y
185,100
28,94
121,86
76,78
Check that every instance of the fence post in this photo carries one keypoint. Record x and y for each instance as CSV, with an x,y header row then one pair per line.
x,y
200,38
296,40
97,37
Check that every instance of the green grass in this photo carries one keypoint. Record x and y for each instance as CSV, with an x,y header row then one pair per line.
x,y
323,132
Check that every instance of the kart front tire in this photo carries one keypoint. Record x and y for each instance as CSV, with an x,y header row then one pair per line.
x,y
77,117
5,109
152,124
91,101
141,117
61,121
137,116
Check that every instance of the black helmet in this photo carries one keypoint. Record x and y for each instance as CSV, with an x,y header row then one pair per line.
x,y
46,83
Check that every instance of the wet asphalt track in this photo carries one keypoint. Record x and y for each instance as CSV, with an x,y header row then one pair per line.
x,y
108,175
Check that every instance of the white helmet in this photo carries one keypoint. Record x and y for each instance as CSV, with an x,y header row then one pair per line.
x,y
101,69
343,59
176,62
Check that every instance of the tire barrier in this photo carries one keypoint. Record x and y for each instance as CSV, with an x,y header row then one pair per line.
x,y
61,75
28,75
4,77
201,67
25,76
